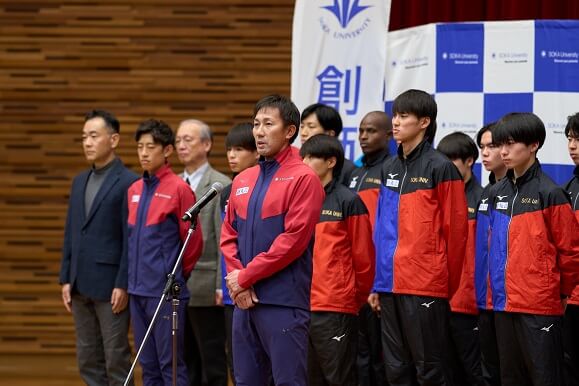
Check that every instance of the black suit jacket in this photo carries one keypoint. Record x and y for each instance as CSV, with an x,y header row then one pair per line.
x,y
94,253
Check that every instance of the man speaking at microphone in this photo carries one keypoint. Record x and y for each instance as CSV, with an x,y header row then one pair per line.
x,y
266,240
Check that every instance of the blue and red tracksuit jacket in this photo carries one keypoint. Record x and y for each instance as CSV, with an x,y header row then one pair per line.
x,y
421,225
156,232
366,181
344,258
464,301
484,299
534,248
572,187
269,226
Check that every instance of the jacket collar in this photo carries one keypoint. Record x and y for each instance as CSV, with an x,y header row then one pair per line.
x,y
375,158
531,173
115,162
331,185
280,158
116,167
492,178
422,147
160,174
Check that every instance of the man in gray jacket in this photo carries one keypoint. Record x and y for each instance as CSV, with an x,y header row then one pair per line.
x,y
205,312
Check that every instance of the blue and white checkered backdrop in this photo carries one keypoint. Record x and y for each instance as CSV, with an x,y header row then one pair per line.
x,y
478,72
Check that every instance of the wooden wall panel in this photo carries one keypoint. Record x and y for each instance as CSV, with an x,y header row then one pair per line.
x,y
167,59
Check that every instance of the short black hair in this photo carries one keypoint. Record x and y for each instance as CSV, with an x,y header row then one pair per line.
x,y
111,122
572,128
328,117
287,110
324,147
241,135
458,145
525,128
383,120
159,130
484,129
421,104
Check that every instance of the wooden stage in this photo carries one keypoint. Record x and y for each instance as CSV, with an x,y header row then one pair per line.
x,y
46,370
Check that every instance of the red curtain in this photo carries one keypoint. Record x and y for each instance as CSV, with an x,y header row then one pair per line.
x,y
410,13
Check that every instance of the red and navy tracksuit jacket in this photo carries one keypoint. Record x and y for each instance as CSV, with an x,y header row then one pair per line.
x,y
156,232
464,301
483,234
366,181
421,225
572,187
344,260
534,249
269,226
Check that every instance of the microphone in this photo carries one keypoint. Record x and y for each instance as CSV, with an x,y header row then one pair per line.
x,y
213,191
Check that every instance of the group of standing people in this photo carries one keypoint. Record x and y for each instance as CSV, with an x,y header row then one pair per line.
x,y
309,270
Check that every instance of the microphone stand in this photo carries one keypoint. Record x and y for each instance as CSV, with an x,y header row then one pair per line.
x,y
172,288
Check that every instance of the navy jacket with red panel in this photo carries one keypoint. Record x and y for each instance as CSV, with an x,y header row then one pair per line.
x,y
421,225
268,229
464,300
572,187
156,232
483,234
344,257
366,181
534,249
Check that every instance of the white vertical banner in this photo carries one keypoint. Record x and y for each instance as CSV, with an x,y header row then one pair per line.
x,y
411,60
339,59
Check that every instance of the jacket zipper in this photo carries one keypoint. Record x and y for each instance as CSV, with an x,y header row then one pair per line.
x,y
143,206
508,233
253,205
398,214
362,179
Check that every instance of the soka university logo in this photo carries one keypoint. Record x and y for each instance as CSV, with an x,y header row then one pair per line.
x,y
345,12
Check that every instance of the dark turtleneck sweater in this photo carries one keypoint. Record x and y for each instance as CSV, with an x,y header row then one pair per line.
x,y
95,180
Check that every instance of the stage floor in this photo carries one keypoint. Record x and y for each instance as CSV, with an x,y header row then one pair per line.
x,y
46,370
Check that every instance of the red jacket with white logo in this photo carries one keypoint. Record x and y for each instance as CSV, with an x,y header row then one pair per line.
x,y
344,257
268,229
464,301
534,248
156,232
421,225
572,187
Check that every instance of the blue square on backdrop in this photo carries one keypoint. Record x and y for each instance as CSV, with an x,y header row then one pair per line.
x,y
459,57
497,105
557,55
388,108
477,171
560,174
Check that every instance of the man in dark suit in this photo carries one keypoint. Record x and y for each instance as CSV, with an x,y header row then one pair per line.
x,y
93,273
205,312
